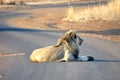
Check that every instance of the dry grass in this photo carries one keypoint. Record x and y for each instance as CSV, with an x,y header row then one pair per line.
x,y
111,11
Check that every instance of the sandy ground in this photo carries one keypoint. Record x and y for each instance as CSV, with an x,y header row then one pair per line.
x,y
51,19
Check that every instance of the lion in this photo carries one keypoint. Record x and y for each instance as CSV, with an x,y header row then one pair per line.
x,y
66,49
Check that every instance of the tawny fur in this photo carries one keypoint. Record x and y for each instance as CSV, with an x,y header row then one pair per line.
x,y
66,48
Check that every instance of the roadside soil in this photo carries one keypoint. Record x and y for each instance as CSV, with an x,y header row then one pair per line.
x,y
51,19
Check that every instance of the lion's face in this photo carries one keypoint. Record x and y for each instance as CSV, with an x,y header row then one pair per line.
x,y
78,40
71,42
74,37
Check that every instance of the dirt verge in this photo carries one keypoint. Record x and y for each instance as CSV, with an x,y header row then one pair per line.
x,y
51,19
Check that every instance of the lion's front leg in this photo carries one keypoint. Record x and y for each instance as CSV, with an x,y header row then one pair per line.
x,y
85,58
67,57
62,60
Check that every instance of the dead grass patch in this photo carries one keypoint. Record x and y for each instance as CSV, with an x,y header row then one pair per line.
x,y
108,12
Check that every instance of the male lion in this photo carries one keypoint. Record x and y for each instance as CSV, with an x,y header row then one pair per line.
x,y
66,49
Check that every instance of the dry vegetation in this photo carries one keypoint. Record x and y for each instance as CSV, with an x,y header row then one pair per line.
x,y
111,11
11,2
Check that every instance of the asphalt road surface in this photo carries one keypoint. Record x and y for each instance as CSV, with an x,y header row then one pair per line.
x,y
18,40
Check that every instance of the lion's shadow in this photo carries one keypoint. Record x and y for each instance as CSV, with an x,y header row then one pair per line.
x,y
97,60
100,60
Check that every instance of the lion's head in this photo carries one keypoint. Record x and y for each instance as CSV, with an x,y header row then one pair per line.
x,y
71,41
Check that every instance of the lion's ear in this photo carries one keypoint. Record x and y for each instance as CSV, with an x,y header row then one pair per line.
x,y
71,32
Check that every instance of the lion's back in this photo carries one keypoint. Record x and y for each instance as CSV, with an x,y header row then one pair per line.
x,y
44,54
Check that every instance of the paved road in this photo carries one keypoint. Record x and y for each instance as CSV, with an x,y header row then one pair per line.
x,y
74,4
19,40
